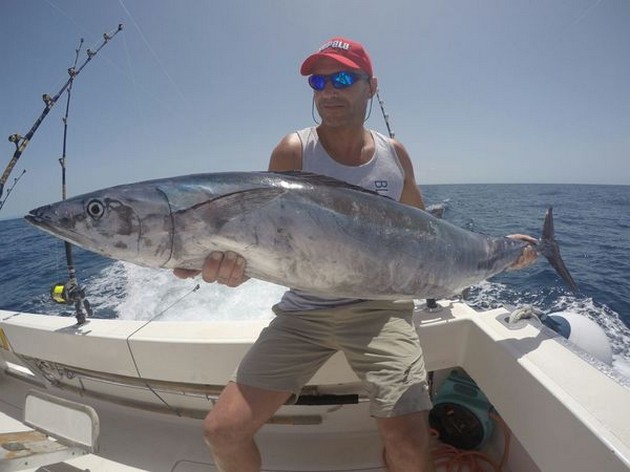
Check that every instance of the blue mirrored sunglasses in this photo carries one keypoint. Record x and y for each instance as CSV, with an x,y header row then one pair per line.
x,y
339,80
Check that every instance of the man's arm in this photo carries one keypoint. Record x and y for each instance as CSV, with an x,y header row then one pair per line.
x,y
287,155
411,194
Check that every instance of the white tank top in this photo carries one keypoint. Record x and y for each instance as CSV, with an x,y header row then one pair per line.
x,y
382,173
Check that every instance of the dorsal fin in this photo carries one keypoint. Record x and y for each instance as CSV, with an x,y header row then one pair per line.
x,y
326,180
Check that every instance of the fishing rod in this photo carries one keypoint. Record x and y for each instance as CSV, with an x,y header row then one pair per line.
x,y
385,115
15,182
432,304
49,102
70,292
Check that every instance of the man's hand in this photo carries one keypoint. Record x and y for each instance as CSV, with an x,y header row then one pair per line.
x,y
226,268
529,254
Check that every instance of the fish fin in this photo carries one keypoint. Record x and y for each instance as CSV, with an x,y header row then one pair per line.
x,y
548,247
436,210
231,205
318,179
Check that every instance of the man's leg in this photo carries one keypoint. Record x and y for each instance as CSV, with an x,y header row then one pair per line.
x,y
381,343
284,357
230,426
407,442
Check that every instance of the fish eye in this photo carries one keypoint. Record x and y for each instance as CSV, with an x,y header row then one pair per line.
x,y
95,209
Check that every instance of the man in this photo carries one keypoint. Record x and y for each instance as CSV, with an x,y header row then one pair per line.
x,y
378,338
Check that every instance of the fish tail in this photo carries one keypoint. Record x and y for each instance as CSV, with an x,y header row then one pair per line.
x,y
548,247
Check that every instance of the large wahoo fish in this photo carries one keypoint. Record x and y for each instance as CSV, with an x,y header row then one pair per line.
x,y
299,230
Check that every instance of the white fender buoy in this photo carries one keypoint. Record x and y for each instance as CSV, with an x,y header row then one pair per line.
x,y
583,332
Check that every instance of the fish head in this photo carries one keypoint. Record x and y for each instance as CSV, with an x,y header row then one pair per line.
x,y
129,223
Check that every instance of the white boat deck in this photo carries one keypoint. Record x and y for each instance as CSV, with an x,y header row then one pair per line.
x,y
151,384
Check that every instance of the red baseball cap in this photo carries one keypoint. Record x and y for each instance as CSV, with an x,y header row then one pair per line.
x,y
346,52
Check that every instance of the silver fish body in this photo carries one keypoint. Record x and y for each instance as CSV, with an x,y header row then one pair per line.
x,y
299,230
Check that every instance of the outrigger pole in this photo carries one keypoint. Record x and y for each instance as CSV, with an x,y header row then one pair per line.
x,y
64,292
22,141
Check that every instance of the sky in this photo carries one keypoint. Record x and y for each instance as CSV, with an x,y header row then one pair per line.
x,y
478,91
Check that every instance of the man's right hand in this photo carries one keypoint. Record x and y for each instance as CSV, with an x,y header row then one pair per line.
x,y
226,268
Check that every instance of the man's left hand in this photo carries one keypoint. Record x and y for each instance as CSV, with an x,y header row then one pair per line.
x,y
529,254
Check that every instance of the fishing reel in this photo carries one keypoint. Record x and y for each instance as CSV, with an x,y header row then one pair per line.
x,y
69,293
66,293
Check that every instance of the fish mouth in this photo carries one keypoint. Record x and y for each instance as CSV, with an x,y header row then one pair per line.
x,y
39,219
35,218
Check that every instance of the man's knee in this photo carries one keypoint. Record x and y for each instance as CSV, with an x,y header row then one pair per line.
x,y
239,412
221,430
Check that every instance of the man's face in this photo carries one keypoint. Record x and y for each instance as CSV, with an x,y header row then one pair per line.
x,y
341,107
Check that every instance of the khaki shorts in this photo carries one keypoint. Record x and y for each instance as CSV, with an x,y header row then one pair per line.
x,y
378,339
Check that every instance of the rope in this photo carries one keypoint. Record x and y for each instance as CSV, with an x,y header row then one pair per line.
x,y
524,313
452,459
447,458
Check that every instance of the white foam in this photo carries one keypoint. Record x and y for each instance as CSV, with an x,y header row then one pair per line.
x,y
617,332
140,293
622,365
487,295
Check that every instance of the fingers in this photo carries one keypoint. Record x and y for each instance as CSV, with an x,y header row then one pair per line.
x,y
529,254
227,268
528,257
185,273
523,237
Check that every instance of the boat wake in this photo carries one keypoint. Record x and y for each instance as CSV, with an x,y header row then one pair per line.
x,y
489,295
132,292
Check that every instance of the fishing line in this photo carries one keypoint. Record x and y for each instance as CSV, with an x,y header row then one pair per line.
x,y
133,359
193,290
152,51
64,13
584,13
137,91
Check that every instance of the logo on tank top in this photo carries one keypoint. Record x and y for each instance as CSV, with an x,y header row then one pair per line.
x,y
381,186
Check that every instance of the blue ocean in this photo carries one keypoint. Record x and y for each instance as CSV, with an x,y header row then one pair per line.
x,y
592,224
